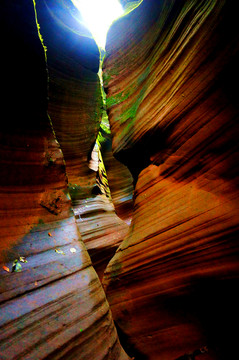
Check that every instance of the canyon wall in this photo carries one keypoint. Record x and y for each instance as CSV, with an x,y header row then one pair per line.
x,y
101,230
120,181
171,74
52,305
75,101
75,107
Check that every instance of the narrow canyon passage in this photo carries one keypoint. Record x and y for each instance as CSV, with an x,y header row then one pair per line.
x,y
119,195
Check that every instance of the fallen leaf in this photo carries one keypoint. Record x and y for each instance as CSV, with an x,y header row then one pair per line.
x,y
72,250
6,268
59,251
16,266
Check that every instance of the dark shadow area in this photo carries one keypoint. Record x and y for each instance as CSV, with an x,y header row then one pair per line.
x,y
138,157
194,355
213,304
128,346
101,257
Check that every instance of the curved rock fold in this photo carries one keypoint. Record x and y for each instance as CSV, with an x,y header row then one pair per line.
x,y
169,81
52,305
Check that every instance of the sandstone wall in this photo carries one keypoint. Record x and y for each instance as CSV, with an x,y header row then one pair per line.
x,y
170,77
52,305
75,102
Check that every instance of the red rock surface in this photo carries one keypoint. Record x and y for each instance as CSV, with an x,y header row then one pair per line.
x,y
101,229
120,181
170,75
55,307
170,81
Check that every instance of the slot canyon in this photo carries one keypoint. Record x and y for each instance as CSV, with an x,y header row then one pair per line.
x,y
119,194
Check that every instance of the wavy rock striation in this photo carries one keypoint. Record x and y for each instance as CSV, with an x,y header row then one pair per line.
x,y
119,179
52,305
170,80
101,229
75,101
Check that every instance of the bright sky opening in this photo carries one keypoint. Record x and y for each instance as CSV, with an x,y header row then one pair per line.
x,y
98,15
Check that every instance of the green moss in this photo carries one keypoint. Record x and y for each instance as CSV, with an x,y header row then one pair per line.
x,y
105,126
38,29
106,79
108,75
132,5
143,76
114,72
114,100
103,183
100,139
129,114
120,97
98,105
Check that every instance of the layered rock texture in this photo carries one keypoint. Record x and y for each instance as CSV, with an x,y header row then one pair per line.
x,y
170,76
75,108
75,101
120,180
52,305
101,229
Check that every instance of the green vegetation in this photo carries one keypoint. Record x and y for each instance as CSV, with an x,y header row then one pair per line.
x,y
105,126
118,98
38,29
132,5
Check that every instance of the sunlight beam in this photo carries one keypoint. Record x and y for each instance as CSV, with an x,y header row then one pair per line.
x,y
98,15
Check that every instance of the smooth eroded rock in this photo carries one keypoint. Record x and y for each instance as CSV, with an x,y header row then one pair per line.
x,y
170,83
52,305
